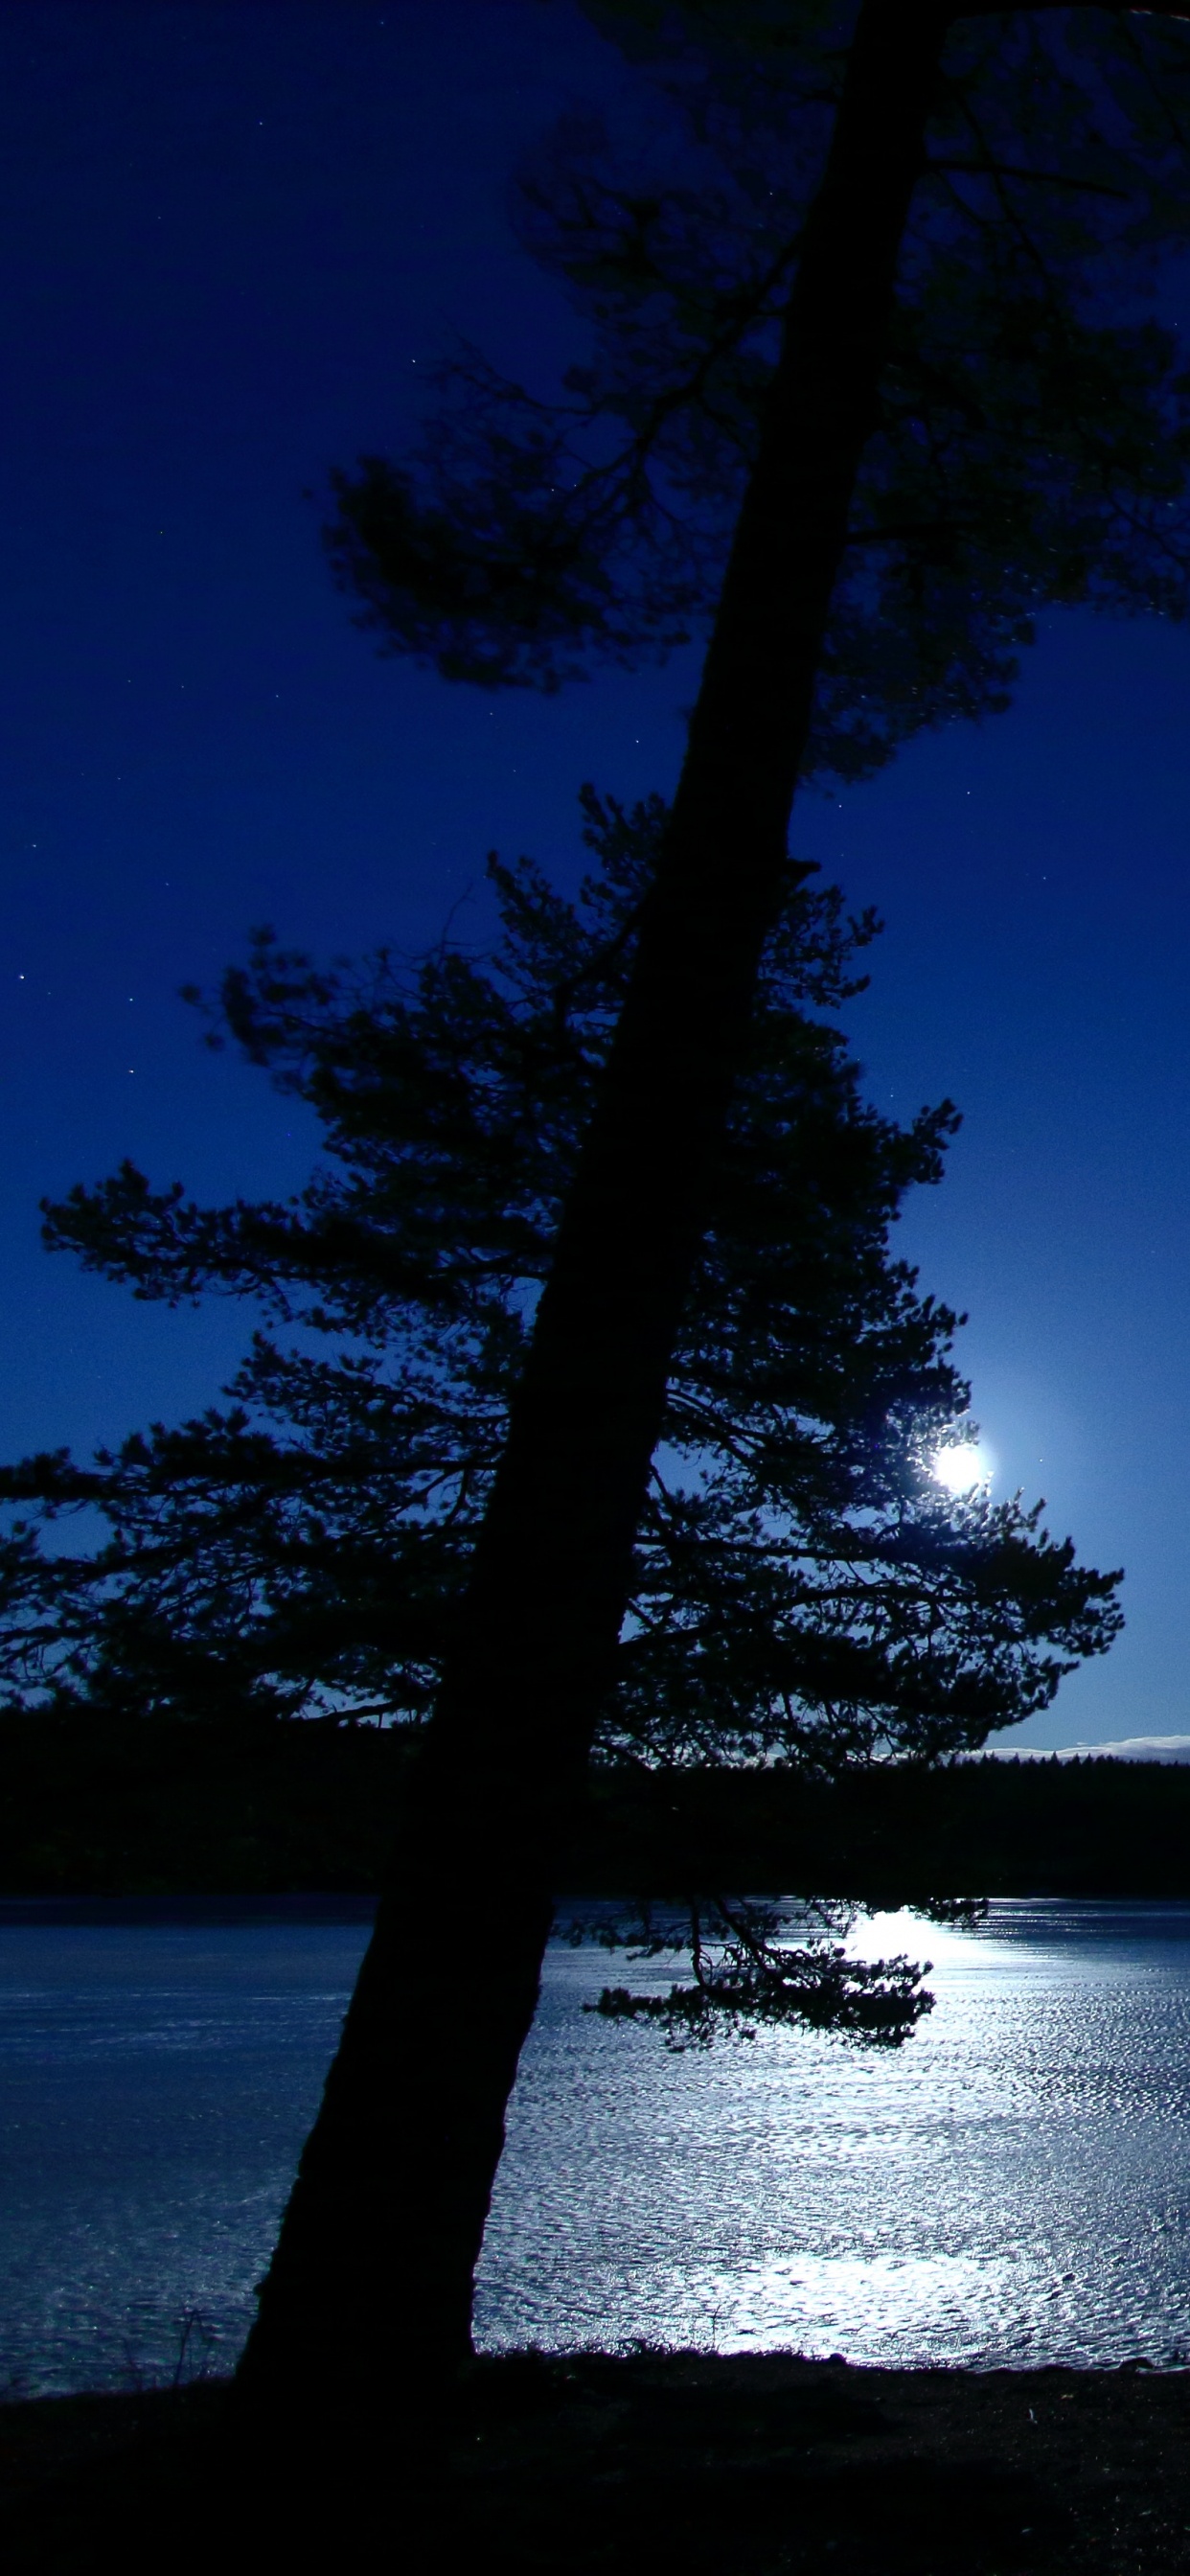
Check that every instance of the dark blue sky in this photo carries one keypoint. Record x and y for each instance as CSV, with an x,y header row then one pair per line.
x,y
230,233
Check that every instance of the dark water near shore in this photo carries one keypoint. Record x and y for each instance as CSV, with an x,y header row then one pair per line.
x,y
1013,2186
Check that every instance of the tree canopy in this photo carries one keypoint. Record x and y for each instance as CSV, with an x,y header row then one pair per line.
x,y
1031,437
803,1588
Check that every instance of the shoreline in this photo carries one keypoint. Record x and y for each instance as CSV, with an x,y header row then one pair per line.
x,y
745,2465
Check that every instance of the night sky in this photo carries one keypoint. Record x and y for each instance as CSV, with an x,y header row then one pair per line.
x,y
231,234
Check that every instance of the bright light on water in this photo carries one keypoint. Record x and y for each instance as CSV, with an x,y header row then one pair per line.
x,y
1012,2186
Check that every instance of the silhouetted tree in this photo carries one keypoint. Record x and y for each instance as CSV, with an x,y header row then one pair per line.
x,y
872,437
802,1589
936,409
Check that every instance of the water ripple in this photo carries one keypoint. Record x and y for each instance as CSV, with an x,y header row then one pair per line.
x,y
1012,2187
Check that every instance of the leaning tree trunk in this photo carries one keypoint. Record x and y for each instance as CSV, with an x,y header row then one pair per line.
x,y
372,2277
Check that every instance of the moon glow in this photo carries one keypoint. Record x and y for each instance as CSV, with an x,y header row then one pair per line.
x,y
962,1468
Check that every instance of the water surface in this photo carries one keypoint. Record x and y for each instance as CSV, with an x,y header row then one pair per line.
x,y
1012,2186
157,2078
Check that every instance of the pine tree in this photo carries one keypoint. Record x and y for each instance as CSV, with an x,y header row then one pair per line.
x,y
940,407
896,393
802,1591
802,1588
974,204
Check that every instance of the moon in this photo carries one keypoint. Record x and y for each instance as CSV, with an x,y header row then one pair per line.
x,y
962,1468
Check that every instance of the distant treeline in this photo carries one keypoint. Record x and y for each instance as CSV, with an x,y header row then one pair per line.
x,y
893,1834
152,1809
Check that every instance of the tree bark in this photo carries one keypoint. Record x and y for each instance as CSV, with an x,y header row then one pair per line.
x,y
371,2283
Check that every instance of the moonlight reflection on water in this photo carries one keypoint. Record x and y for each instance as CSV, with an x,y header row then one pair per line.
x,y
1012,2186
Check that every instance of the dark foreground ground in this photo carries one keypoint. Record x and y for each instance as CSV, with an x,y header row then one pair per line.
x,y
675,2462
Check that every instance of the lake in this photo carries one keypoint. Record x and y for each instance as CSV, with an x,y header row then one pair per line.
x,y
1011,2187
